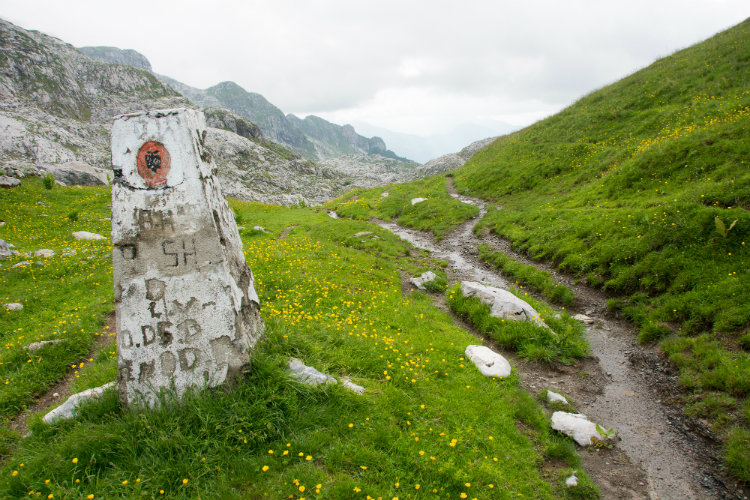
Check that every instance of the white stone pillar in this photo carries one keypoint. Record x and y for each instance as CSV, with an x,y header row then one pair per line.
x,y
187,311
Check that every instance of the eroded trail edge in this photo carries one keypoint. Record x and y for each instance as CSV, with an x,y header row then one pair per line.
x,y
661,454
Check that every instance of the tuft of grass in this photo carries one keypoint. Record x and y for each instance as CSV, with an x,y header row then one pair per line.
x,y
562,342
538,280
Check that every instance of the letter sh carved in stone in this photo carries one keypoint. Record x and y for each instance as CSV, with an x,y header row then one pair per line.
x,y
187,311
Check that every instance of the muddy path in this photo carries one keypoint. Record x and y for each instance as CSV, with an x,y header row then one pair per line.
x,y
661,454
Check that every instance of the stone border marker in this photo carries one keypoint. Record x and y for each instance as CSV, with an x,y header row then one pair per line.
x,y
187,310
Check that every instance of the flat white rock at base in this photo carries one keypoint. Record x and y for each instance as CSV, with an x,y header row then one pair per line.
x,y
553,397
414,201
44,252
572,480
583,318
85,235
68,408
421,280
14,306
333,215
575,425
489,363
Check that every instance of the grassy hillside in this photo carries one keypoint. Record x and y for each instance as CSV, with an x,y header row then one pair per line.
x,y
643,188
428,426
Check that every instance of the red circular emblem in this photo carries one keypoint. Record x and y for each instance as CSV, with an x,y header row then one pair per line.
x,y
153,163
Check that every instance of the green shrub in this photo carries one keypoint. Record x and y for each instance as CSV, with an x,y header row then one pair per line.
x,y
48,180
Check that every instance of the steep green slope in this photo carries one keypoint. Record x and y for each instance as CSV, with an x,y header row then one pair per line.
x,y
643,188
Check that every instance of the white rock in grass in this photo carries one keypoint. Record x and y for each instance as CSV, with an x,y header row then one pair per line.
x,y
575,425
421,280
553,397
583,318
572,480
23,263
14,306
68,408
260,228
503,304
5,251
307,374
44,252
490,363
414,201
352,386
35,346
384,194
362,233
85,235
332,214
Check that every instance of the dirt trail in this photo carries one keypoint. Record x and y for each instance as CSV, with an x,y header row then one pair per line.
x,y
661,454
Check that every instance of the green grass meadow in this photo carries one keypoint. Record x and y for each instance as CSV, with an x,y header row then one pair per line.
x,y
428,426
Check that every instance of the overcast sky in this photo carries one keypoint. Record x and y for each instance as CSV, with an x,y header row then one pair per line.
x,y
413,66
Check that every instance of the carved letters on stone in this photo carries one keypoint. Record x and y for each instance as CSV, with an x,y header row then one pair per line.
x,y
187,311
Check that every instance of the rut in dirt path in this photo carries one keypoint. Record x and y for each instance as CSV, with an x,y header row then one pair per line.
x,y
631,396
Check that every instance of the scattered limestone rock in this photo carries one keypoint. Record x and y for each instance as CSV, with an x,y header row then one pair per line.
x,y
260,228
384,194
583,318
553,397
414,201
332,214
575,425
572,480
307,374
45,252
352,386
85,235
9,182
69,253
503,304
421,280
35,346
490,363
78,173
23,263
14,306
5,250
362,233
310,376
68,408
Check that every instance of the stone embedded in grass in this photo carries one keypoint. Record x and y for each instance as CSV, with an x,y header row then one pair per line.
x,y
5,250
310,376
553,397
583,318
421,280
68,408
9,182
23,263
35,346
332,214
260,228
572,480
414,201
489,363
44,252
307,374
14,306
85,235
384,194
362,233
577,426
502,303
187,310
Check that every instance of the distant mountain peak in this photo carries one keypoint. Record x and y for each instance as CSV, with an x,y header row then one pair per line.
x,y
119,56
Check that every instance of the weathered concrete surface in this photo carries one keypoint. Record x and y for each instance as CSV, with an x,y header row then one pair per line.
x,y
187,311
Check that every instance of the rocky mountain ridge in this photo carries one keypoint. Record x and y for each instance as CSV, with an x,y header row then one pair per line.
x,y
57,106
